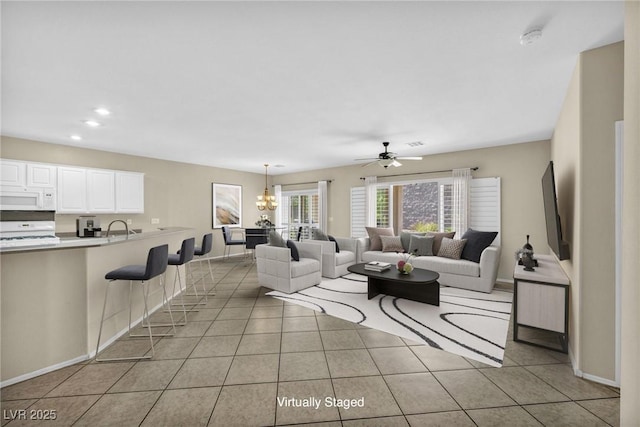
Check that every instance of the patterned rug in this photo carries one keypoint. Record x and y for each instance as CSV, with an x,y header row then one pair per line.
x,y
467,323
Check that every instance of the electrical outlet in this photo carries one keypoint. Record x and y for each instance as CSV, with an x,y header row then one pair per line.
x,y
155,220
129,221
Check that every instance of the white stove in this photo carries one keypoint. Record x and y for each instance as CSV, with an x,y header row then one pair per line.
x,y
27,233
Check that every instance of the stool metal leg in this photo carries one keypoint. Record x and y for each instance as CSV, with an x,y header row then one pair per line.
x,y
153,325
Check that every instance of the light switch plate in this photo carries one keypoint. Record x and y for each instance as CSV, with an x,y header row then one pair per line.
x,y
155,220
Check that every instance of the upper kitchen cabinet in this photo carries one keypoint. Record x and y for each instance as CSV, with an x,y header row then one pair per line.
x,y
72,190
12,173
129,192
101,191
41,175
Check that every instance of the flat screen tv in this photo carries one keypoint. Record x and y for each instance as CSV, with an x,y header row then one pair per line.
x,y
554,229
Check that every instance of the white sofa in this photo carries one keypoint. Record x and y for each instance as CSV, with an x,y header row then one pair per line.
x,y
335,264
458,273
277,271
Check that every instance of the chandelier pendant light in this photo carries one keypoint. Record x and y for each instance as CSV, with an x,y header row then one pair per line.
x,y
266,200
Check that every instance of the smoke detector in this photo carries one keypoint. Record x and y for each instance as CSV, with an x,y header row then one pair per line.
x,y
530,37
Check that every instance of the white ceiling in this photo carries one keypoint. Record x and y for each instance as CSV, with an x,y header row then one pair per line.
x,y
306,85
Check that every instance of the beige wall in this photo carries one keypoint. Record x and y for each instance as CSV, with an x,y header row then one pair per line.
x,y
520,167
630,373
583,150
179,194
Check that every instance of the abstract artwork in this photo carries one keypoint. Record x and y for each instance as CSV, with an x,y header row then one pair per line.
x,y
227,205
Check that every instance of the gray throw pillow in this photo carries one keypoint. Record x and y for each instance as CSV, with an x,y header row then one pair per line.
x,y
405,238
391,244
276,240
317,234
451,248
421,245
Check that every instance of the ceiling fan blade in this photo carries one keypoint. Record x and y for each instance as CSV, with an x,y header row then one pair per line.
x,y
409,158
368,158
370,163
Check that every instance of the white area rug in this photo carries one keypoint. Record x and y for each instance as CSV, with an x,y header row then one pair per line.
x,y
467,323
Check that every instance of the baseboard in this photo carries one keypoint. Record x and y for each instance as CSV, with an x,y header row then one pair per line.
x,y
43,371
578,373
505,281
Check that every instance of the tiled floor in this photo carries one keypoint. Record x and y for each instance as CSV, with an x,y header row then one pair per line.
x,y
242,351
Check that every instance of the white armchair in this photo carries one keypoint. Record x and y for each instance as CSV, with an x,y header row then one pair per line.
x,y
335,264
277,271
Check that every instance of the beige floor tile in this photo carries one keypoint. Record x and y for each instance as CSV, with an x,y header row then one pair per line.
x,y
266,312
442,419
215,302
268,302
129,347
209,372
175,348
303,366
420,393
330,323
187,407
373,338
224,345
227,327
350,363
92,379
121,409
299,324
15,409
512,416
147,375
341,340
606,409
259,344
264,326
60,411
522,386
525,354
193,329
245,293
378,400
294,310
439,360
562,378
262,368
290,407
240,302
234,313
472,390
563,414
39,386
397,421
246,405
396,360
204,314
301,341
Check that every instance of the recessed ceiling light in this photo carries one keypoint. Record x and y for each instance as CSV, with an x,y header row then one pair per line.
x,y
415,143
102,111
278,166
530,37
91,123
76,137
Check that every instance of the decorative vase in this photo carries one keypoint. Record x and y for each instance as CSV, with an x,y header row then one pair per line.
x,y
528,261
527,246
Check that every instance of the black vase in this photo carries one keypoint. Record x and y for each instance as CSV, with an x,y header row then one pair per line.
x,y
527,246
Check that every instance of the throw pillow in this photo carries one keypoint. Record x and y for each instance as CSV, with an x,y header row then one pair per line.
x,y
477,241
405,237
437,239
421,245
295,255
391,244
276,240
317,234
374,236
451,248
333,239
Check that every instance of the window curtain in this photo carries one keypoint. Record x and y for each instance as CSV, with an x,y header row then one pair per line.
x,y
277,189
323,212
460,200
370,197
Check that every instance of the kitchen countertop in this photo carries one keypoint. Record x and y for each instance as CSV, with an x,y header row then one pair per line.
x,y
83,242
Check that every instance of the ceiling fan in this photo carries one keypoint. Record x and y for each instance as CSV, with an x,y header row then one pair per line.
x,y
387,158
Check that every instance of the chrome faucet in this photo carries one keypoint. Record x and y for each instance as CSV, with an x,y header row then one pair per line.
x,y
126,227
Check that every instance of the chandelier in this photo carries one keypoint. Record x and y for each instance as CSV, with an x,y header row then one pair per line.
x,y
265,200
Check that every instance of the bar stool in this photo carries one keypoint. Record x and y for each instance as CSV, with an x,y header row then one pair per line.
x,y
199,253
156,266
184,255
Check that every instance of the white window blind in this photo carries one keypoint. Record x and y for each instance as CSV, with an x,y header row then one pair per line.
x,y
485,206
357,212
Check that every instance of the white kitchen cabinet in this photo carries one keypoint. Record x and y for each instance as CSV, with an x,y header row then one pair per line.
x,y
129,192
101,191
41,175
72,190
12,173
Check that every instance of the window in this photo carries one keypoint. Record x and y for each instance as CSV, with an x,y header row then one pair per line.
x,y
299,209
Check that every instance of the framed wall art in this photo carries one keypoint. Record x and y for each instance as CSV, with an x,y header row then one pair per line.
x,y
227,205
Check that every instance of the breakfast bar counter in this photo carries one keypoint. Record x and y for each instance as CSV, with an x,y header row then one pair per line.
x,y
52,298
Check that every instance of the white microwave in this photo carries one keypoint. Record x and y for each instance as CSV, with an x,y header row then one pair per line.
x,y
27,199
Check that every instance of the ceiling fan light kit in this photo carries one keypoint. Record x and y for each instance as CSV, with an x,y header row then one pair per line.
x,y
387,158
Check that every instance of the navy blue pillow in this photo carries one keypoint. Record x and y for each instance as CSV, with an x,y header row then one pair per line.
x,y
294,250
333,239
477,241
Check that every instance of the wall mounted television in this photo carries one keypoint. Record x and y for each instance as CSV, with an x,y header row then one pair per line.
x,y
554,228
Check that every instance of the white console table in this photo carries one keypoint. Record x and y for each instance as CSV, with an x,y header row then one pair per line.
x,y
541,301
